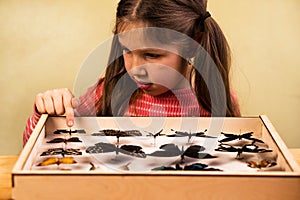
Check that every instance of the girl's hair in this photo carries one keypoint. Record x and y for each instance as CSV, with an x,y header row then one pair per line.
x,y
186,17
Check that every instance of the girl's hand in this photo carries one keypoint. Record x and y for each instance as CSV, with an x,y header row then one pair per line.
x,y
57,102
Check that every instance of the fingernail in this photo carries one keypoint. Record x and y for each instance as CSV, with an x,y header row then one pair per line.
x,y
70,123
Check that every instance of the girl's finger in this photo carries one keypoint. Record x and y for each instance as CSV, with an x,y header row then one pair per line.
x,y
48,102
39,103
67,101
58,102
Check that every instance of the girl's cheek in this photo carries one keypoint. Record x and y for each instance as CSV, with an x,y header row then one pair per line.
x,y
127,61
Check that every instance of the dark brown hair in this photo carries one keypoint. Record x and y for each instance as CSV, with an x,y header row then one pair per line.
x,y
186,17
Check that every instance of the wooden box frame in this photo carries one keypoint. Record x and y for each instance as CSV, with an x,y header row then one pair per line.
x,y
28,184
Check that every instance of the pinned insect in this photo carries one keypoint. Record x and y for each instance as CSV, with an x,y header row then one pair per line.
x,y
172,150
60,140
58,161
63,152
93,167
261,164
155,135
189,134
69,131
131,150
118,133
192,167
249,148
231,137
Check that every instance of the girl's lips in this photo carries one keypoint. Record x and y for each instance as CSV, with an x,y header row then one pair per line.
x,y
144,86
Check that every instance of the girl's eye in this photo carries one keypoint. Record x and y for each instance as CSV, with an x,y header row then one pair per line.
x,y
125,50
152,55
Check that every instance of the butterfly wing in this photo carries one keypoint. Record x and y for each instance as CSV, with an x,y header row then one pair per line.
x,y
167,150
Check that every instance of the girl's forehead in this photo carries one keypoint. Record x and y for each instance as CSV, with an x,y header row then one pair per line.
x,y
139,36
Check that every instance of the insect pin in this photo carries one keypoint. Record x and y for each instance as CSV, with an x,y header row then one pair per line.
x,y
154,135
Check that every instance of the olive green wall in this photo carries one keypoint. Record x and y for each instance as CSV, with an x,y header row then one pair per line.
x,y
43,44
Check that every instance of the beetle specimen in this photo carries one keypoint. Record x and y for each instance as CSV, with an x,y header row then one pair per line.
x,y
172,150
63,152
70,131
131,150
192,167
261,164
60,140
58,161
231,137
250,148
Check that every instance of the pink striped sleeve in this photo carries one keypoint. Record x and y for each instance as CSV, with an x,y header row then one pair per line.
x,y
236,105
31,123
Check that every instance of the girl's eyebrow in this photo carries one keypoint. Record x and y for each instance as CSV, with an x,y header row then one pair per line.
x,y
144,49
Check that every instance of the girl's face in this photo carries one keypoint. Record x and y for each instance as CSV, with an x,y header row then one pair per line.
x,y
155,70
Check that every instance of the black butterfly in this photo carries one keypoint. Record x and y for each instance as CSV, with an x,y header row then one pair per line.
x,y
131,150
192,167
118,133
172,150
60,140
60,131
250,148
231,137
189,134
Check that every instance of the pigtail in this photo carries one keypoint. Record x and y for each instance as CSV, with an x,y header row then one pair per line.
x,y
217,57
114,97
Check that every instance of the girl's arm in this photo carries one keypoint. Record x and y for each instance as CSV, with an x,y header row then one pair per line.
x,y
85,106
237,112
31,123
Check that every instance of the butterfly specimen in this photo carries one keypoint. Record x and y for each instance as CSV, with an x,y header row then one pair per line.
x,y
131,150
63,152
70,131
192,167
183,134
172,150
231,137
118,133
189,134
261,164
58,161
60,140
250,148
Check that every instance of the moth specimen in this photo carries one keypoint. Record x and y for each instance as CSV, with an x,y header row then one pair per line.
x,y
131,150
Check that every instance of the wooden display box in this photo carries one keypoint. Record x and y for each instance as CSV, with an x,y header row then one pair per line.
x,y
29,183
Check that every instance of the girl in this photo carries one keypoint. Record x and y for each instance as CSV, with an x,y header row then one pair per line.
x,y
154,53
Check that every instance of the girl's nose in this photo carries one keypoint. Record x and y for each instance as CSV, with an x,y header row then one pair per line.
x,y
139,72
138,66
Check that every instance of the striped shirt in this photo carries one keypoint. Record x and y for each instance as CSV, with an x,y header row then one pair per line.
x,y
175,103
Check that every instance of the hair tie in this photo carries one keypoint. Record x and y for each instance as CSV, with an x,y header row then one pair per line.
x,y
202,18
